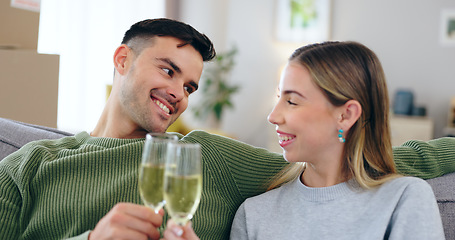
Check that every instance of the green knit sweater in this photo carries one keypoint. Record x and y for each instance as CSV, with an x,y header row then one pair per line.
x,y
56,189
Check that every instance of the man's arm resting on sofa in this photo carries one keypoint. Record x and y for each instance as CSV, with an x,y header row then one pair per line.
x,y
426,160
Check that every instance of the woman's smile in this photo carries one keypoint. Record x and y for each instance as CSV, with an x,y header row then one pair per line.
x,y
285,139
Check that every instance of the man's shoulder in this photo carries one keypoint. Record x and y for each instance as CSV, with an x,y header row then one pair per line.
x,y
59,143
35,150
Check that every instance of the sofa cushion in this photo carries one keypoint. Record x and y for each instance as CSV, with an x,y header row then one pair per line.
x,y
444,190
14,134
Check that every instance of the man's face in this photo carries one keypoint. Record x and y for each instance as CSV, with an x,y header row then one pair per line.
x,y
157,83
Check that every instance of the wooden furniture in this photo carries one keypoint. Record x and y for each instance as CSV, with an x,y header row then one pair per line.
x,y
405,128
451,119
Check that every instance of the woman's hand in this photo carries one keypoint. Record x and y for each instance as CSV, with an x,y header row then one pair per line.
x,y
176,232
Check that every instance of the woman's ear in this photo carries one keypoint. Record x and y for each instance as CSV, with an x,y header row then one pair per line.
x,y
350,113
120,58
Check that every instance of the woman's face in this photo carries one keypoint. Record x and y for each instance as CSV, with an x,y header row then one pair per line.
x,y
306,122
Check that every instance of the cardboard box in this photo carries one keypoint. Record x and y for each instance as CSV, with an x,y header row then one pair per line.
x,y
29,86
18,27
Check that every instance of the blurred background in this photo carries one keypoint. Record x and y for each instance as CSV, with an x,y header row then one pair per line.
x,y
71,44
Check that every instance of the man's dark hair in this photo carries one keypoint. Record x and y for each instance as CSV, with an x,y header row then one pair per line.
x,y
147,29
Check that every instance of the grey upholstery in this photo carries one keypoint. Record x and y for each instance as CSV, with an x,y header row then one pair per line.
x,y
15,134
444,190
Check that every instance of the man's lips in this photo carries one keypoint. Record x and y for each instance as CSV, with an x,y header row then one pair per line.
x,y
285,139
163,105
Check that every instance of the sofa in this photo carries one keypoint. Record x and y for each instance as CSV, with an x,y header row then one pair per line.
x,y
14,134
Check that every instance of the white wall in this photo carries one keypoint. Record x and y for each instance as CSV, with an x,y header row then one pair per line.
x,y
406,38
404,34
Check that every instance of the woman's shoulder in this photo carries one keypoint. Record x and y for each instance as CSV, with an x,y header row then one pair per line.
x,y
270,197
408,184
408,180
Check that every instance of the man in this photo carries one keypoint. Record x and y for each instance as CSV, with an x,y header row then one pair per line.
x,y
85,186
66,193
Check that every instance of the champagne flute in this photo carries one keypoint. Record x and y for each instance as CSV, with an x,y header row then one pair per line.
x,y
183,181
151,173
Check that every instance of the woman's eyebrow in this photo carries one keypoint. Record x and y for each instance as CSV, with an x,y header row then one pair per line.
x,y
287,92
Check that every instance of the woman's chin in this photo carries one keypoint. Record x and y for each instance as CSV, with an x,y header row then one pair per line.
x,y
289,158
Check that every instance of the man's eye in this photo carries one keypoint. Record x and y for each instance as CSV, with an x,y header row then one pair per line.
x,y
189,90
168,71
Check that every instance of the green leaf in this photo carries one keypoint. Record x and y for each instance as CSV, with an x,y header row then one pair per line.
x,y
216,91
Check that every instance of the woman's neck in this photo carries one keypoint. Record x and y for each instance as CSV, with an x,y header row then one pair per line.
x,y
322,177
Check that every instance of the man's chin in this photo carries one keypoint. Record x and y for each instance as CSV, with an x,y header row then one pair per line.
x,y
156,129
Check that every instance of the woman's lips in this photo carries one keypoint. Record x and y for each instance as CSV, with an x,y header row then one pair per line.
x,y
285,139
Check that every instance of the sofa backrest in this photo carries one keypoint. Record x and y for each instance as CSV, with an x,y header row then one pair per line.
x,y
14,134
444,190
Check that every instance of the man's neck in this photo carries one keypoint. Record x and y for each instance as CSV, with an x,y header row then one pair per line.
x,y
112,127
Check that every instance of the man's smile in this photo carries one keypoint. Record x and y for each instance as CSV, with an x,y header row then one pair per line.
x,y
161,105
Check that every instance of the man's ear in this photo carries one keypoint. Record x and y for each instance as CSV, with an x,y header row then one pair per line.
x,y
350,113
121,55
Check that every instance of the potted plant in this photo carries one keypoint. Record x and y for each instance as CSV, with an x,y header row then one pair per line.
x,y
216,91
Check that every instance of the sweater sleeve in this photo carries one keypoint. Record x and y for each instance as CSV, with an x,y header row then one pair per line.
x,y
250,167
426,159
416,215
10,201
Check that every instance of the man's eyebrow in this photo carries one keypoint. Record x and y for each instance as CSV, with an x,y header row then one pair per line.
x,y
171,63
178,70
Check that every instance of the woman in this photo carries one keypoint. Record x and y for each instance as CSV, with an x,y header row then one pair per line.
x,y
332,123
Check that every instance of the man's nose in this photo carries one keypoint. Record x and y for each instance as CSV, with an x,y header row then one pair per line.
x,y
176,91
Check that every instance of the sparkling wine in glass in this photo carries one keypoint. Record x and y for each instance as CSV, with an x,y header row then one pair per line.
x,y
182,181
151,173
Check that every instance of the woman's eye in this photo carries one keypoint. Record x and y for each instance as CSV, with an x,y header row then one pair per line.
x,y
168,71
291,102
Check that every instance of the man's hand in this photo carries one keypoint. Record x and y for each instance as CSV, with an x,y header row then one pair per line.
x,y
128,221
176,232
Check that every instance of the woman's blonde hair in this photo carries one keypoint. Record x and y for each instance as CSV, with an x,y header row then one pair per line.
x,y
350,71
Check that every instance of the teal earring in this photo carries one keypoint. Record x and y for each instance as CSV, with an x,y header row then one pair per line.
x,y
340,136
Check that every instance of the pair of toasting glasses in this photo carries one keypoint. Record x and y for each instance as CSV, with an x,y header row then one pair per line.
x,y
170,176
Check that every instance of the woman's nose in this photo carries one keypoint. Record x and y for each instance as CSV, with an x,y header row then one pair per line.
x,y
273,117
